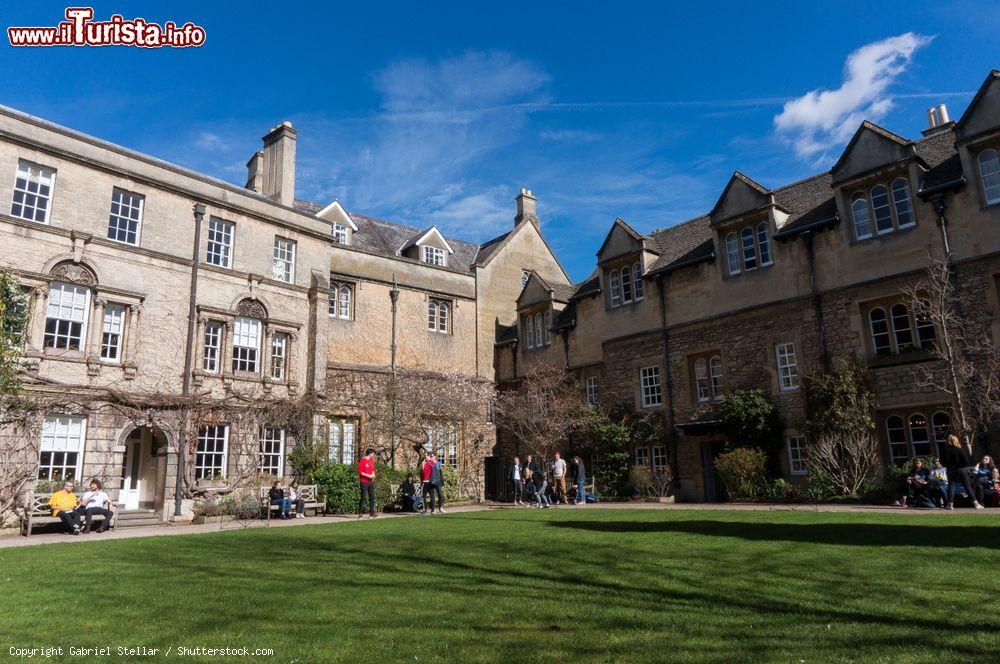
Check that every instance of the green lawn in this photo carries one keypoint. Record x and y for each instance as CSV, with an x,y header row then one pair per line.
x,y
557,585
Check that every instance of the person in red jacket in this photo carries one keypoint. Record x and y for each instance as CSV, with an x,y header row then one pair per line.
x,y
366,478
426,488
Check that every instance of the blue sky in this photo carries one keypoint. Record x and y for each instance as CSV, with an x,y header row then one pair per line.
x,y
436,113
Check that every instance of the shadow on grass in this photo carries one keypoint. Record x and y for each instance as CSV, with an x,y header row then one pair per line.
x,y
850,534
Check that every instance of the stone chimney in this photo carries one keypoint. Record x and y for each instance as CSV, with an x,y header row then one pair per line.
x,y
526,208
274,167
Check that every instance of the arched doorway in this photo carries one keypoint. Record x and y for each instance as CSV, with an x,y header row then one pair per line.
x,y
143,471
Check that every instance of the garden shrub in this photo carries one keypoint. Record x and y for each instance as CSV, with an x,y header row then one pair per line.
x,y
339,483
641,479
306,458
743,471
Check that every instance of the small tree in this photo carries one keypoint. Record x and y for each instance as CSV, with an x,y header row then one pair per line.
x,y
743,471
969,369
750,420
13,327
542,410
839,403
848,463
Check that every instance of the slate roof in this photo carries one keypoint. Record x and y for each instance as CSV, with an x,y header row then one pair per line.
x,y
385,237
563,292
808,202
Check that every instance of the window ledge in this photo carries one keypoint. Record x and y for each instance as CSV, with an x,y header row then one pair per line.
x,y
912,357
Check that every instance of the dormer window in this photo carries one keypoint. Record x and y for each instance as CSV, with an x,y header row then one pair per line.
x,y
749,249
989,174
340,233
889,207
432,255
625,284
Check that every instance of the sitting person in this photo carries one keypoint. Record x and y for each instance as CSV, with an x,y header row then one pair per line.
x,y
295,498
916,482
96,503
276,496
984,478
939,483
65,506
408,494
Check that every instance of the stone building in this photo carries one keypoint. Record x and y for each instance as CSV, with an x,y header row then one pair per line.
x,y
173,312
774,284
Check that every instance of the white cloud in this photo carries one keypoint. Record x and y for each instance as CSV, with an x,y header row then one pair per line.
x,y
821,119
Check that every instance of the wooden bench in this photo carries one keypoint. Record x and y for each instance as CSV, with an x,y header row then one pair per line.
x,y
309,493
35,511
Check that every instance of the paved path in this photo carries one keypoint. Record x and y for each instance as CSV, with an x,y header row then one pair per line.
x,y
9,541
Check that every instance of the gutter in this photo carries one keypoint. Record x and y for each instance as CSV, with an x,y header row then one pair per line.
x,y
950,185
707,258
814,225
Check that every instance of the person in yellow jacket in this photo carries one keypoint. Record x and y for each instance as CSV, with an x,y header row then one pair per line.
x,y
65,505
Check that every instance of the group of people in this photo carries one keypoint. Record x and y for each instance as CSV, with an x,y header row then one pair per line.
x,y
430,495
285,499
937,487
530,481
77,514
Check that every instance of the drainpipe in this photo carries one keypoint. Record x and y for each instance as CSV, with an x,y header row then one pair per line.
x,y
394,297
662,293
199,216
817,302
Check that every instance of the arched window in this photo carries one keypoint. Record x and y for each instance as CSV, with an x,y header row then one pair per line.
x,y
862,220
443,317
989,173
924,324
432,316
880,208
637,281
901,328
880,331
919,437
764,242
749,249
626,285
940,429
66,316
547,324
715,376
616,298
733,254
901,201
345,301
701,378
538,329
529,332
896,433
246,344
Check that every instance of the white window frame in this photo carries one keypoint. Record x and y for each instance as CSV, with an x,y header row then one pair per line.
x,y
284,260
788,372
989,180
894,446
112,333
529,331
539,338
212,347
616,298
658,457
903,202
590,385
642,457
65,315
279,355
703,391
432,255
340,233
626,286
211,434
127,220
733,253
796,449
219,248
763,237
342,439
547,325
749,249
877,208
247,335
650,388
859,207
42,178
270,459
716,379
61,435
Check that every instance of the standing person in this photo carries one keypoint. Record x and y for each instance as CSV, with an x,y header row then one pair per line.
x,y
426,490
437,481
581,481
276,496
559,479
527,470
956,459
514,477
538,478
65,506
96,503
366,478
296,499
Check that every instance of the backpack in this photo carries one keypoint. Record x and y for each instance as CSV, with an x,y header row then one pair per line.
x,y
436,475
924,502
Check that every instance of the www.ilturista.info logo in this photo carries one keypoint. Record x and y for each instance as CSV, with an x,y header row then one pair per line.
x,y
79,29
